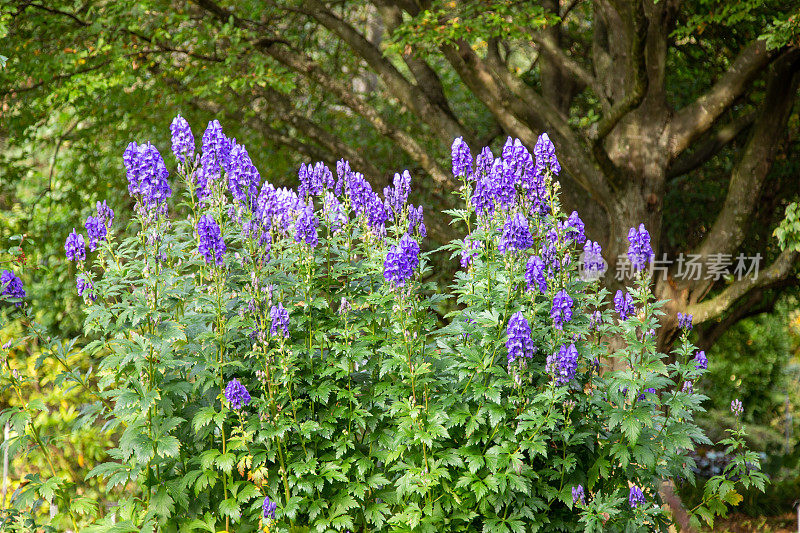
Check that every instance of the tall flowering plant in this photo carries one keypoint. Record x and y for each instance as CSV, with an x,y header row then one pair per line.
x,y
273,358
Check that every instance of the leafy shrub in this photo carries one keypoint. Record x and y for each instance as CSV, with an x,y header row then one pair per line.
x,y
274,358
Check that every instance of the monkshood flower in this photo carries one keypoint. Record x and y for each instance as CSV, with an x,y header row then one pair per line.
x,y
216,150
519,161
688,388
397,196
84,285
343,173
359,191
147,174
561,311
503,183
574,228
635,497
462,159
483,163
105,213
644,393
519,343
516,234
280,319
306,227
736,407
563,364
401,260
639,251
623,304
243,178
313,180
236,394
596,319
211,245
332,212
96,231
377,215
578,495
182,138
75,246
593,263
545,155
483,196
11,286
269,508
701,361
470,251
535,274
685,321
416,221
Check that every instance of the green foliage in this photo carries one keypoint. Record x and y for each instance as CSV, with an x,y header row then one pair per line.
x,y
371,414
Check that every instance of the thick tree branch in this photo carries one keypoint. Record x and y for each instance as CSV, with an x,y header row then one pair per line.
x,y
442,124
698,117
716,306
748,175
710,146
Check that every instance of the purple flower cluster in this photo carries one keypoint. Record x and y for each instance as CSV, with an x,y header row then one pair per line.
x,y
635,497
685,321
75,247
623,304
561,312
688,388
11,286
182,139
535,275
216,151
701,361
332,212
519,343
643,395
83,285
243,178
416,221
269,508
96,231
211,245
593,263
147,175
401,260
306,227
516,235
737,408
470,251
545,154
578,495
314,180
574,228
105,213
462,159
395,197
236,394
280,319
639,252
563,364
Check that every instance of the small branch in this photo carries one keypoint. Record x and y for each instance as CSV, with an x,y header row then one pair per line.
x,y
687,162
716,306
698,117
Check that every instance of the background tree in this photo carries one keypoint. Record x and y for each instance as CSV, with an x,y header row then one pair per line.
x,y
668,113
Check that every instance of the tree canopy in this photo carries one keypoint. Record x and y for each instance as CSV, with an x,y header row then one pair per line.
x,y
677,114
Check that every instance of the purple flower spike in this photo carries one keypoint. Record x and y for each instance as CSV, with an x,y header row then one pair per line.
x,y
623,304
578,495
280,319
536,274
462,159
401,260
639,252
269,508
96,231
736,407
636,497
211,246
516,235
701,361
11,286
75,247
519,343
685,321
182,139
236,394
563,364
561,312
